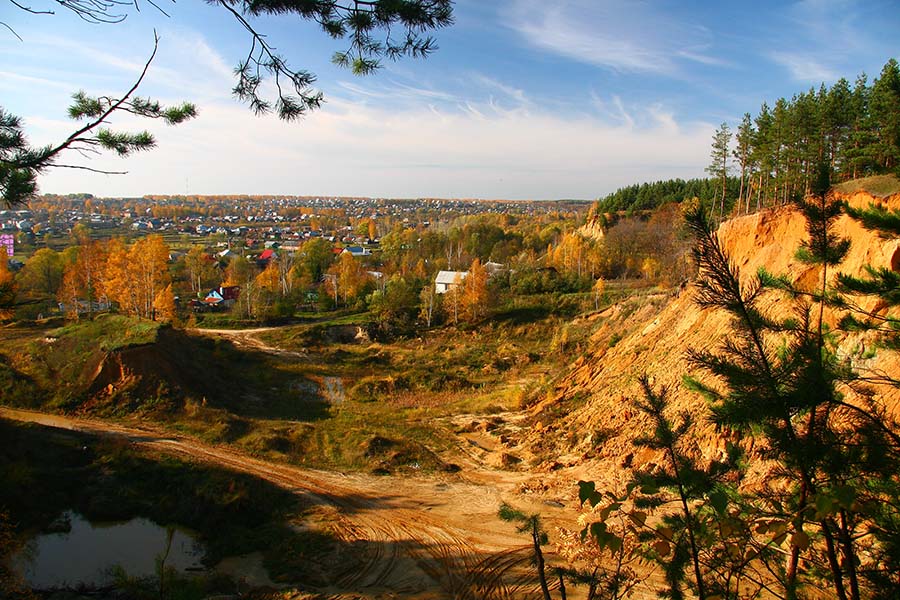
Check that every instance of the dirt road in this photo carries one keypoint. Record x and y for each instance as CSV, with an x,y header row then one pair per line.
x,y
424,537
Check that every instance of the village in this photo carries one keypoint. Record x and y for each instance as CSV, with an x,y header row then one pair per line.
x,y
263,258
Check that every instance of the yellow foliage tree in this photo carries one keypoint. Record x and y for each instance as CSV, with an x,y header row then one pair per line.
x,y
575,254
116,280
134,277
164,304
270,278
475,296
7,288
346,278
598,289
83,277
200,267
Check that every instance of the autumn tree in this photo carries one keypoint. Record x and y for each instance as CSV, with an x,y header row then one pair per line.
x,y
315,257
267,288
286,275
241,272
474,297
7,288
149,259
346,278
42,273
430,303
83,277
718,166
575,254
164,304
598,291
134,277
201,269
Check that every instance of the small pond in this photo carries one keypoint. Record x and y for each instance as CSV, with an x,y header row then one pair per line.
x,y
85,553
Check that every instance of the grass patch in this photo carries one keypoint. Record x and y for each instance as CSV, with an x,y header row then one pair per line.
x,y
879,186
109,332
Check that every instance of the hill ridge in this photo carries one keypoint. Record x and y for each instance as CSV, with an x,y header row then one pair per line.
x,y
585,427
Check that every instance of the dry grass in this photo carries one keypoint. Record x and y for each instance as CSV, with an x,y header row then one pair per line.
x,y
879,186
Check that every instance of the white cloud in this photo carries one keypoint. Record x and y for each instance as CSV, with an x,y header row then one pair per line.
x,y
622,35
356,149
394,138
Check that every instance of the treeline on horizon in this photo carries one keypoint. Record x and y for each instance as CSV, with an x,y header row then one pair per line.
x,y
648,196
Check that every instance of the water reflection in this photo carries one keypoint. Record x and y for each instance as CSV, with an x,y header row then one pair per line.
x,y
85,554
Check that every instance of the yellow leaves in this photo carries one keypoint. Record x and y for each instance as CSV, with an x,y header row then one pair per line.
x,y
135,277
475,297
164,304
346,278
270,278
7,288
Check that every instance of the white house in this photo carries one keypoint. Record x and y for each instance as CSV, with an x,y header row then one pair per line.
x,y
447,279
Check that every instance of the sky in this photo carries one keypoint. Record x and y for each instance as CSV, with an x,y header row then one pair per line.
x,y
524,99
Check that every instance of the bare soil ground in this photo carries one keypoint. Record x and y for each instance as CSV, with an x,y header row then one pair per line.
x,y
422,537
247,338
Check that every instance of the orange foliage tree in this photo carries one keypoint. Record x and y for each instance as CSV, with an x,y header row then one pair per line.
x,y
83,277
474,293
134,277
7,288
164,304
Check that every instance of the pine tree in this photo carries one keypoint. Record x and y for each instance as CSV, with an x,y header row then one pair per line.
x,y
742,153
718,167
781,381
885,107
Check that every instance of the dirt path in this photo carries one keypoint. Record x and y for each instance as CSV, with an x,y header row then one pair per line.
x,y
429,537
247,338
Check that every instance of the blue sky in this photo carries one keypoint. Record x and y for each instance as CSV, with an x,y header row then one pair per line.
x,y
524,99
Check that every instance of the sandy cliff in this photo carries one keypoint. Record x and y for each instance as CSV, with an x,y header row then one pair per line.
x,y
586,427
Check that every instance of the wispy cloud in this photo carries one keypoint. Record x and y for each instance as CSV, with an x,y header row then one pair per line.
x,y
826,39
351,148
396,92
9,80
622,35
515,94
475,134
804,67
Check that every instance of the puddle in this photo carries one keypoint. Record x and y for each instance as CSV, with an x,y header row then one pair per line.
x,y
86,553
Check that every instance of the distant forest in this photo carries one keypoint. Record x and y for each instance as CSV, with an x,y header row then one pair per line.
x,y
773,157
647,196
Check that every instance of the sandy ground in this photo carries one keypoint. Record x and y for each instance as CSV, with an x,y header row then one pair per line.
x,y
423,537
